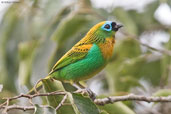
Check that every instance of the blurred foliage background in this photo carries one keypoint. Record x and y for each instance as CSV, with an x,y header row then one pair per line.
x,y
34,34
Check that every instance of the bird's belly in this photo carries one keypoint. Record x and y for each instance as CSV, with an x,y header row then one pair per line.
x,y
85,68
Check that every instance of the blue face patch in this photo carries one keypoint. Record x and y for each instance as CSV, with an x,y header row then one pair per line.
x,y
107,26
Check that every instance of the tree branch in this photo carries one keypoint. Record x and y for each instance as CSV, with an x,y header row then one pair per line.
x,y
108,100
31,96
36,95
163,51
131,97
24,108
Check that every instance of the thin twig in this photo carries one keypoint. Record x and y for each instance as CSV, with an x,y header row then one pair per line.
x,y
131,97
163,51
35,86
6,107
62,102
33,96
30,101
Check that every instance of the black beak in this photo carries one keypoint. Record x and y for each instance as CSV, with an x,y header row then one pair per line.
x,y
119,26
116,27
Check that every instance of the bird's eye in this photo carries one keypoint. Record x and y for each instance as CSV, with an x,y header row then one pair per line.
x,y
107,26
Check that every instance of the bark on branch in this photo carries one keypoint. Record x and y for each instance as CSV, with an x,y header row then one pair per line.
x,y
131,97
112,99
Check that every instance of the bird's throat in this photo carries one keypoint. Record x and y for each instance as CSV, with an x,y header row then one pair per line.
x,y
107,48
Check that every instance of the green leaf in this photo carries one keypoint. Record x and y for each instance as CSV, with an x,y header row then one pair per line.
x,y
83,104
117,108
44,110
65,28
169,2
127,48
68,87
163,92
165,66
8,53
54,85
104,112
145,67
26,54
50,86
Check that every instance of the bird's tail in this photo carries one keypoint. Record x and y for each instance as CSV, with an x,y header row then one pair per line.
x,y
38,87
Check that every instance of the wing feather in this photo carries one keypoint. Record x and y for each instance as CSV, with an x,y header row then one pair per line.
x,y
77,53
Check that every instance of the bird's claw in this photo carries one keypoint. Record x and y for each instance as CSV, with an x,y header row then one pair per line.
x,y
91,94
87,91
81,91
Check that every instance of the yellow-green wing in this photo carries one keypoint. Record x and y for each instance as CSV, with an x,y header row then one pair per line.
x,y
73,55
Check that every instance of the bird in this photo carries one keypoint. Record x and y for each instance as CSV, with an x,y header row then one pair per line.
x,y
87,57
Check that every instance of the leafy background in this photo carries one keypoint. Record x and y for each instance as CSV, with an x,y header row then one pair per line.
x,y
35,34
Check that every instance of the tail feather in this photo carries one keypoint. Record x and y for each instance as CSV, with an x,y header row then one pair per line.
x,y
38,87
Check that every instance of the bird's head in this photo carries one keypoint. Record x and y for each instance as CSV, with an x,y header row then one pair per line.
x,y
105,29
109,26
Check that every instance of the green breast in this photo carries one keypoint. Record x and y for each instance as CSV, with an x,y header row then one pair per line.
x,y
83,69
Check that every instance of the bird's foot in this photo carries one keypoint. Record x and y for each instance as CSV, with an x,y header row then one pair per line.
x,y
84,91
91,94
